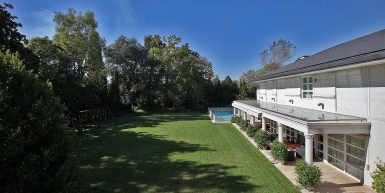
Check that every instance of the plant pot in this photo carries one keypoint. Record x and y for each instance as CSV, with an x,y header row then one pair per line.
x,y
282,162
310,188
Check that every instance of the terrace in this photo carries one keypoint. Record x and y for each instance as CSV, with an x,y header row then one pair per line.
x,y
312,133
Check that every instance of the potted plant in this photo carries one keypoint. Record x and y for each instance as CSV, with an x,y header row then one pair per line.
x,y
309,176
261,137
279,151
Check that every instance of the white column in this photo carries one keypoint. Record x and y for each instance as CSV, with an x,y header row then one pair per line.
x,y
325,150
235,111
252,120
309,148
245,116
280,132
211,114
239,112
295,135
263,123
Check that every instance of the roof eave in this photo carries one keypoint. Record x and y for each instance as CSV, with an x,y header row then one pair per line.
x,y
333,65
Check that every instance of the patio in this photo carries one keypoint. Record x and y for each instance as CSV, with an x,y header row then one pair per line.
x,y
333,180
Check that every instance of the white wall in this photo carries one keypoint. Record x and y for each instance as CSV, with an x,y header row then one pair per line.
x,y
271,91
377,90
358,91
352,91
281,91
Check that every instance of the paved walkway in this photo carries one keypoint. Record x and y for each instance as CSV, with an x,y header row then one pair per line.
x,y
333,180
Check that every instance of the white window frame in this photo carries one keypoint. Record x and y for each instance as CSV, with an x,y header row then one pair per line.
x,y
307,83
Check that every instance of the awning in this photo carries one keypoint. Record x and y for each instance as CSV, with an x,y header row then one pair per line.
x,y
306,120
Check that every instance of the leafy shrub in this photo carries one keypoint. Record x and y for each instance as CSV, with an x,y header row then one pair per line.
x,y
279,151
250,130
243,124
379,177
261,137
234,119
307,175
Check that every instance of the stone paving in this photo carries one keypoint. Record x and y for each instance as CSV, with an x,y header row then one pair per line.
x,y
333,180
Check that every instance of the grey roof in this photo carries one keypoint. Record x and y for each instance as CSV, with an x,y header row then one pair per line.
x,y
367,48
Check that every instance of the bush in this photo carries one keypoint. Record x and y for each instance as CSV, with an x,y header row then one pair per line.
x,y
234,119
37,152
307,175
379,177
243,124
250,130
279,151
261,137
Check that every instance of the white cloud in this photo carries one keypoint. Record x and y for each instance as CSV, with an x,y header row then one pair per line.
x,y
40,24
125,11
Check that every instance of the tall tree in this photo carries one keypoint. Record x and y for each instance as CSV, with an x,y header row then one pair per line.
x,y
37,152
247,76
11,39
130,59
243,90
56,67
229,90
277,55
76,34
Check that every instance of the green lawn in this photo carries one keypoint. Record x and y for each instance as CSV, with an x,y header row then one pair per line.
x,y
175,152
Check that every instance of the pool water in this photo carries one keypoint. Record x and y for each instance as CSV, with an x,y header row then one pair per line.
x,y
223,116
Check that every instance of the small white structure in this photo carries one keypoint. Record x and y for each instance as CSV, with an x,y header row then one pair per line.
x,y
332,103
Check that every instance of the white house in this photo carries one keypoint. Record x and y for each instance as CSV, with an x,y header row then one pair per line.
x,y
332,103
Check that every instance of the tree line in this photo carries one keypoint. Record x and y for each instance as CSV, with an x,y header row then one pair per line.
x,y
43,81
86,73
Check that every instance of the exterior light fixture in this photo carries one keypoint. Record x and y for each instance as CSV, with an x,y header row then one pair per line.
x,y
273,99
291,100
321,104
261,98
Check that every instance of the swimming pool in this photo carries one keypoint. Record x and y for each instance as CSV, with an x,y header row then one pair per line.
x,y
222,116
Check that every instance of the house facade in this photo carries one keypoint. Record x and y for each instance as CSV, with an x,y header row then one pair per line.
x,y
331,103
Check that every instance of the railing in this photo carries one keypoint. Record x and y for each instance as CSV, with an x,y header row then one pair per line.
x,y
93,115
220,109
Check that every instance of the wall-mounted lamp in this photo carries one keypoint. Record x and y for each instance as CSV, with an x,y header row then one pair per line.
x,y
261,98
273,99
291,101
321,104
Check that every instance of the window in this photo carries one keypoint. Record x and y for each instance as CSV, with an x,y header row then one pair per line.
x,y
307,87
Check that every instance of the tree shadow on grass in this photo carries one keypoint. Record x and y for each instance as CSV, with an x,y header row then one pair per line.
x,y
133,120
118,160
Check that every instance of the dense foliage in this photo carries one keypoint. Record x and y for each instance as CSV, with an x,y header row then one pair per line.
x,y
279,151
37,152
260,138
307,175
379,177
250,130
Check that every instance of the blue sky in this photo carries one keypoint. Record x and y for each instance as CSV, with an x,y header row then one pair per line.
x,y
229,33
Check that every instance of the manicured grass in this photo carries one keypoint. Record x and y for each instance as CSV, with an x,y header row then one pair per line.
x,y
175,152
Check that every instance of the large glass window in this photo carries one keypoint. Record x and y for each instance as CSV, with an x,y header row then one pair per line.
x,y
339,164
336,144
307,87
358,152
348,153
355,141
